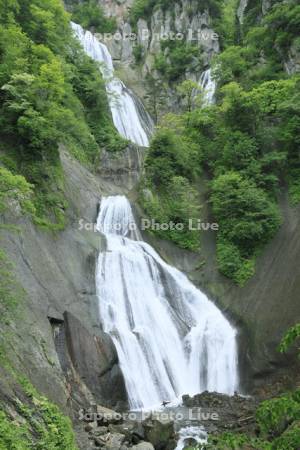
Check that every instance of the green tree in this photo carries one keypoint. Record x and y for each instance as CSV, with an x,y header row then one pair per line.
x,y
91,16
191,93
246,216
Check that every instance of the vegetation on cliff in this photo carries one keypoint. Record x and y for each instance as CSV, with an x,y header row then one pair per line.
x,y
144,8
34,422
90,15
277,419
246,143
50,93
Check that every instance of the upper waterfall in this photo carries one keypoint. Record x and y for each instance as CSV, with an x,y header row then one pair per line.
x,y
170,338
129,115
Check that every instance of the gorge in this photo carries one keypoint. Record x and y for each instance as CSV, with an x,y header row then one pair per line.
x,y
101,316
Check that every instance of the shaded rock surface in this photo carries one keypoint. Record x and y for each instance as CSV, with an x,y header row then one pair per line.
x,y
96,361
122,169
56,272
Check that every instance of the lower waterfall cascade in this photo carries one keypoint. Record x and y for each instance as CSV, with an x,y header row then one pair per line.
x,y
170,338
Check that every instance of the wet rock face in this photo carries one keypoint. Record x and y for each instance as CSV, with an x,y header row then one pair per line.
x,y
183,17
223,413
96,362
183,21
124,168
57,274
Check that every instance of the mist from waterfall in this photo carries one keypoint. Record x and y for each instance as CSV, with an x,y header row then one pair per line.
x,y
170,338
129,115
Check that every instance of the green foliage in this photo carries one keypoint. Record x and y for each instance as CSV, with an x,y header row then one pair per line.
x,y
278,424
232,264
144,8
171,164
273,416
89,14
12,435
170,155
248,144
262,50
176,205
190,93
45,23
290,337
231,441
226,23
50,93
15,188
138,53
11,293
176,57
247,219
245,213
43,426
290,439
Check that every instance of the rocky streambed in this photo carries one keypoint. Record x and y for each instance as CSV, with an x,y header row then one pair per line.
x,y
209,413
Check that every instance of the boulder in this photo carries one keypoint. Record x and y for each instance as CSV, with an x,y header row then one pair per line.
x,y
143,446
160,434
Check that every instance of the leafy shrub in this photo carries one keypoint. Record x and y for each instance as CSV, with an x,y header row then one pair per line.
x,y
89,14
273,416
177,205
232,264
176,58
15,187
290,337
43,427
246,216
278,421
138,53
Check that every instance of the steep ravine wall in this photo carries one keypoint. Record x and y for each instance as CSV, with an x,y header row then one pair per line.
x,y
55,339
183,18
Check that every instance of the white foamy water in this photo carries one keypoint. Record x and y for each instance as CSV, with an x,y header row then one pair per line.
x,y
197,434
208,85
170,338
129,115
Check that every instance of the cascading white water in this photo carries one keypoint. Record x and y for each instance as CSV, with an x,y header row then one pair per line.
x,y
208,85
197,434
171,340
129,116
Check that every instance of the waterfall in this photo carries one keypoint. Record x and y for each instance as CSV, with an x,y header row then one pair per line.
x,y
170,338
208,85
197,434
129,115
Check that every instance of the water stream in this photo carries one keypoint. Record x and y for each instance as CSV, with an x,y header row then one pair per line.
x,y
170,338
129,115
208,85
